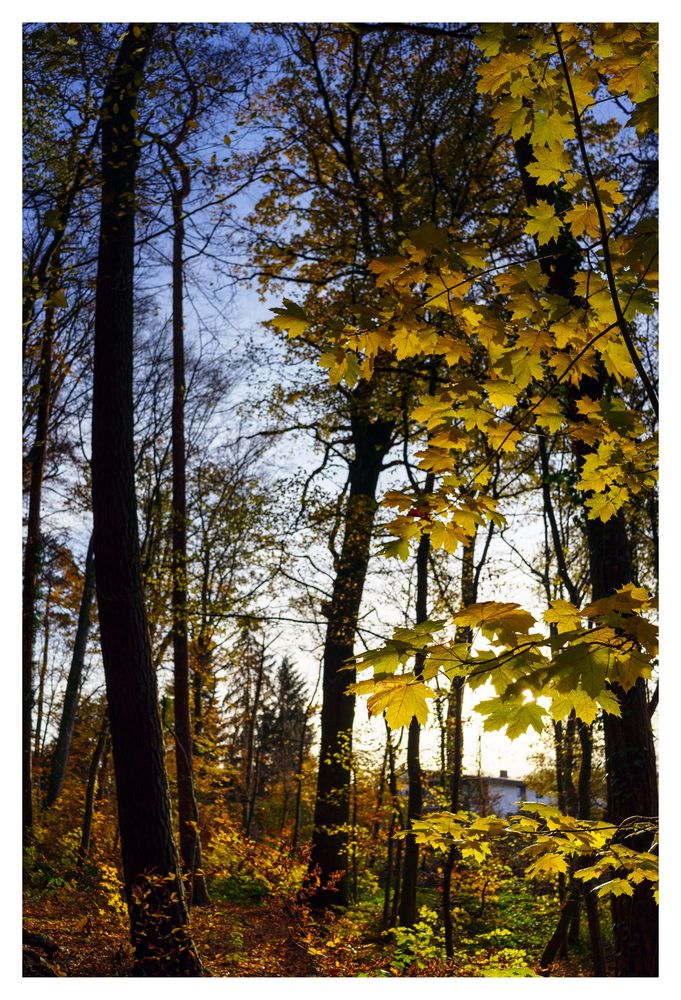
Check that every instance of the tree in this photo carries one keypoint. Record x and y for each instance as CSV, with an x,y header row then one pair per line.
x,y
365,150
586,314
62,749
180,187
31,559
285,737
158,916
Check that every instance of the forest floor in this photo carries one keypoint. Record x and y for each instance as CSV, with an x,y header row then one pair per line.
x,y
232,939
255,925
267,938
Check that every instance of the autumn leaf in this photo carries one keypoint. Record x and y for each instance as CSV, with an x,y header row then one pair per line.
x,y
548,165
551,129
583,219
501,392
506,620
544,223
401,698
547,865
516,717
564,614
291,318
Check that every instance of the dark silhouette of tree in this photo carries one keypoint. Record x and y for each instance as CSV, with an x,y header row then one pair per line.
x,y
154,893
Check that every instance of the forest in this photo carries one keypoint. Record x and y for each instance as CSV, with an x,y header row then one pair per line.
x,y
340,407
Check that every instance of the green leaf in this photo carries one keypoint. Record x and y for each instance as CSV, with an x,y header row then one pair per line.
x,y
398,547
515,716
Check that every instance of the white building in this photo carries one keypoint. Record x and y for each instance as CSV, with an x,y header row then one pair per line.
x,y
503,795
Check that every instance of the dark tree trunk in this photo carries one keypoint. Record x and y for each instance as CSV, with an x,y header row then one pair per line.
x,y
376,828
468,596
190,840
68,716
355,859
328,859
36,469
408,907
557,942
395,818
590,900
629,748
202,667
398,882
91,791
250,774
299,786
43,674
158,916
284,807
253,789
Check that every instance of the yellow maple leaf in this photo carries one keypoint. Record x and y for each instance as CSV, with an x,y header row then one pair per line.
x,y
446,536
501,392
551,129
401,698
453,348
564,614
549,164
583,218
499,71
512,116
506,620
502,435
544,223
548,414
617,359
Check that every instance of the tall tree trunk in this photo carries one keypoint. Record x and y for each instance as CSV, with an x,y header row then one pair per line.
x,y
153,886
376,828
68,716
327,873
299,790
408,908
43,672
91,791
250,773
190,840
629,747
468,596
395,819
590,900
284,806
630,765
36,469
253,789
201,670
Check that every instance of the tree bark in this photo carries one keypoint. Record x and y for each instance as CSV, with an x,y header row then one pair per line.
x,y
91,791
36,467
43,673
250,769
408,908
190,840
327,873
629,748
68,717
468,596
158,916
